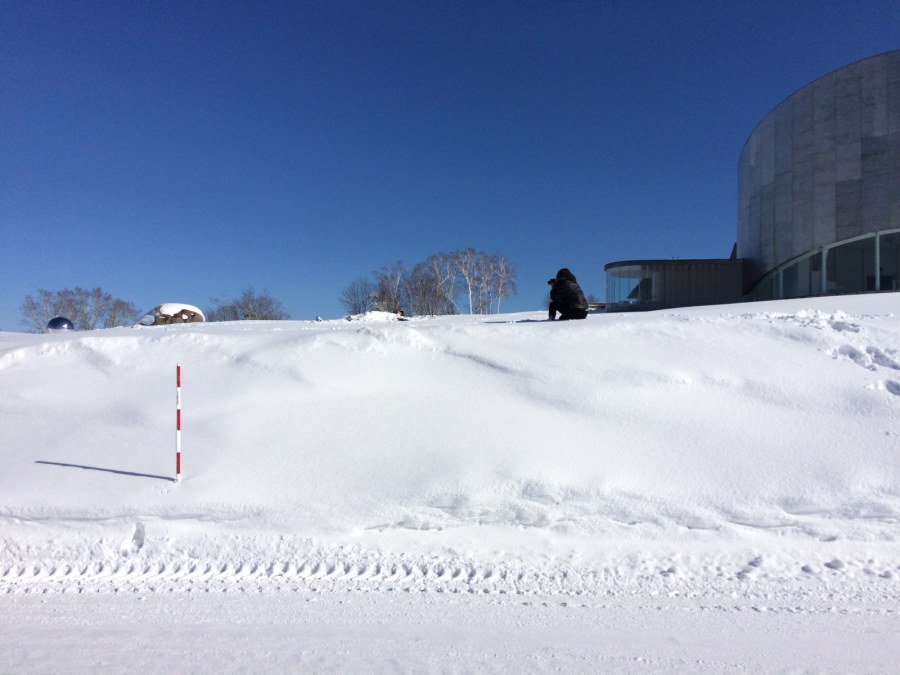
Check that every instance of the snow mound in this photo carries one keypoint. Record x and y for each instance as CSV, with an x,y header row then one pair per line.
x,y
698,449
375,317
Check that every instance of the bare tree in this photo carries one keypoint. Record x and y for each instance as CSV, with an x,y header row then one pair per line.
x,y
466,263
432,287
251,306
359,296
38,311
121,313
503,277
87,309
487,279
389,288
484,283
422,292
445,278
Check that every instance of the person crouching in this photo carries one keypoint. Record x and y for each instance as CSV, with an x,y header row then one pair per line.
x,y
566,297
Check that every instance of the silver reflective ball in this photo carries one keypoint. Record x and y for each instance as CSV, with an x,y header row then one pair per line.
x,y
59,324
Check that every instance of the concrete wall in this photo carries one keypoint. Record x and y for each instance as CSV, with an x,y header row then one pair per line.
x,y
822,167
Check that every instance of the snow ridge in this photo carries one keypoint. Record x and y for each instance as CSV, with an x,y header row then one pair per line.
x,y
708,451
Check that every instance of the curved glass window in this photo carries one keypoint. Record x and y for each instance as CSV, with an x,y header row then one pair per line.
x,y
803,277
850,267
660,284
889,261
629,287
859,265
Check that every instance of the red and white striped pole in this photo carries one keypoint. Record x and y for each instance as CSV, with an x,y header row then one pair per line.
x,y
178,422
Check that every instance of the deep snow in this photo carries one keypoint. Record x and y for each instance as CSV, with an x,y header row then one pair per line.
x,y
728,477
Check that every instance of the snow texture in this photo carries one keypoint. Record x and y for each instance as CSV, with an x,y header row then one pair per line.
x,y
519,494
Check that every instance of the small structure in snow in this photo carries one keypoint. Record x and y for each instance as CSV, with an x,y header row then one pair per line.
x,y
172,312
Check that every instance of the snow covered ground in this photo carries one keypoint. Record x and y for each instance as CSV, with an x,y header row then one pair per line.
x,y
708,489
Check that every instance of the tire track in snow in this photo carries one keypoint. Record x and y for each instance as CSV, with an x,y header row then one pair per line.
x,y
373,576
441,576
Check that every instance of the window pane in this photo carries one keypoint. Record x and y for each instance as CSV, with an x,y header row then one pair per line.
x,y
851,267
632,287
890,262
803,278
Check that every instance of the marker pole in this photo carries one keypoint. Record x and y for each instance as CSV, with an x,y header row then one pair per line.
x,y
178,422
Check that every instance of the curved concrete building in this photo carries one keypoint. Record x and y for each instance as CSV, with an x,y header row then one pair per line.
x,y
819,187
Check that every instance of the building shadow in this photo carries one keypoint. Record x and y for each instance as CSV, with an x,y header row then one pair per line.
x,y
116,471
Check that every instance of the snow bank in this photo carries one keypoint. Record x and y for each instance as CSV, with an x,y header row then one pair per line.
x,y
710,446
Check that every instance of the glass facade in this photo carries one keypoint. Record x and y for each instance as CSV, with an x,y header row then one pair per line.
x,y
889,261
802,278
859,265
659,284
850,267
629,287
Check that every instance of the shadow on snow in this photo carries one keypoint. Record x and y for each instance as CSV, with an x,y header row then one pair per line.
x,y
116,471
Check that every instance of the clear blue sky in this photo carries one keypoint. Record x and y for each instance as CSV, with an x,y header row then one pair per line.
x,y
180,151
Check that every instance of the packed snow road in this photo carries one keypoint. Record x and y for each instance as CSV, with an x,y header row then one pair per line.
x,y
302,631
646,608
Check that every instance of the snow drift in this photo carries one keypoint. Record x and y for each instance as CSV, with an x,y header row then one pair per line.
x,y
705,447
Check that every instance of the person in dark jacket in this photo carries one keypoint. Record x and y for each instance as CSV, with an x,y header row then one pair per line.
x,y
566,297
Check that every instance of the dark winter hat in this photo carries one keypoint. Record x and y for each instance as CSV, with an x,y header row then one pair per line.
x,y
564,273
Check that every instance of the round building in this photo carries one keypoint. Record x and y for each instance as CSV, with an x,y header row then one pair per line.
x,y
819,187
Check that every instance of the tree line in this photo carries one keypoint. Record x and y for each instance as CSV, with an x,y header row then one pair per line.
x,y
86,308
93,308
250,306
445,283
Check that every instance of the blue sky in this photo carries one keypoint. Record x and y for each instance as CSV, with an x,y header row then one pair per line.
x,y
180,151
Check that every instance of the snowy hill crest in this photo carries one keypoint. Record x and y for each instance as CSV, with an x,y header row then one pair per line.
x,y
707,446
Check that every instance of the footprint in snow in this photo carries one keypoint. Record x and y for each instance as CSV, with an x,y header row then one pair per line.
x,y
858,357
844,326
882,359
135,541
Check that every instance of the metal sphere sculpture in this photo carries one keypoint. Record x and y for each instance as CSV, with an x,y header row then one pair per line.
x,y
59,324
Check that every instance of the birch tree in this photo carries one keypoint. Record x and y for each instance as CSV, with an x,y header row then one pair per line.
x,y
504,278
445,277
87,309
466,262
436,285
389,288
